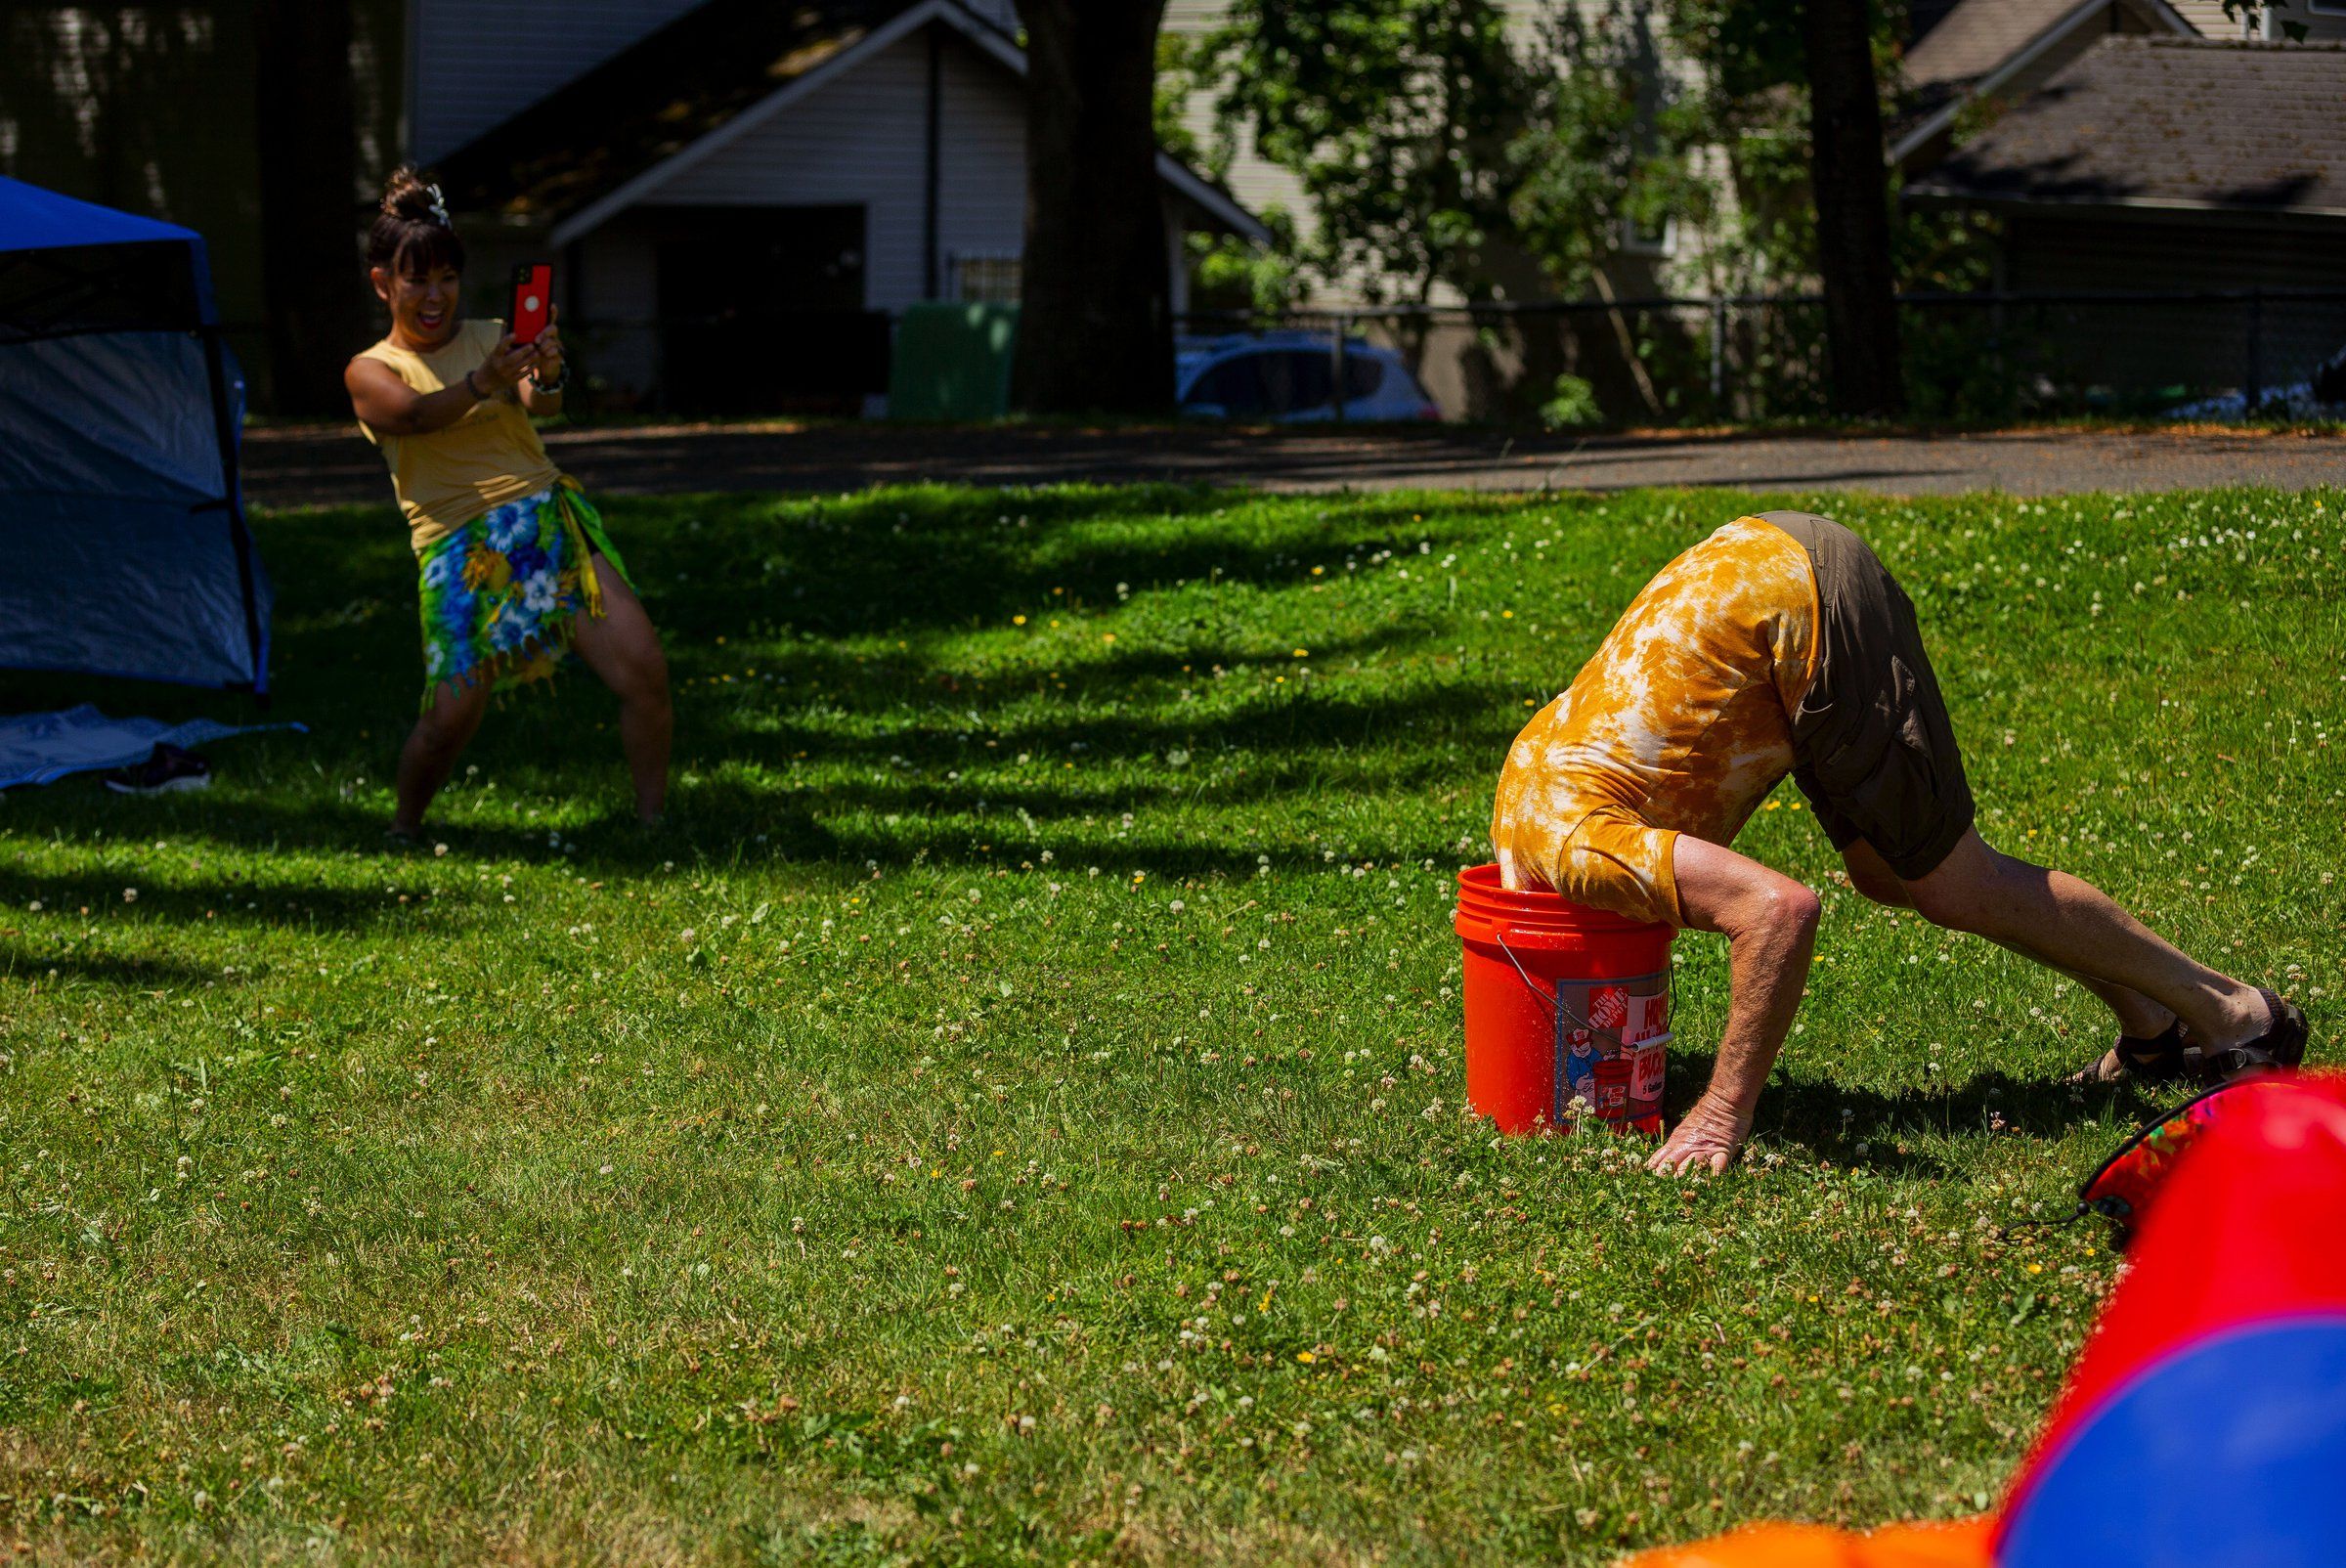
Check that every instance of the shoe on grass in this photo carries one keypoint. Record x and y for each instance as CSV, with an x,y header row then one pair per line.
x,y
2281,1045
166,769
2160,1058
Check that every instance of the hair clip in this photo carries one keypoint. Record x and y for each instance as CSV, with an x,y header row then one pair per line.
x,y
439,207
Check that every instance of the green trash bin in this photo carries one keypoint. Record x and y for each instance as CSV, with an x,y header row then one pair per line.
x,y
952,362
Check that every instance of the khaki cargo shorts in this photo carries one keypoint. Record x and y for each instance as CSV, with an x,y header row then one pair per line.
x,y
1873,747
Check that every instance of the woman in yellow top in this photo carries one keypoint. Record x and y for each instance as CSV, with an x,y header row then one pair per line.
x,y
515,568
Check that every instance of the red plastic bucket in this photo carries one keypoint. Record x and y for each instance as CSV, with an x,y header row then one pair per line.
x,y
1563,1003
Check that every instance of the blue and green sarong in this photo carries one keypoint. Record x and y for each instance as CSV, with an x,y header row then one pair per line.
x,y
503,594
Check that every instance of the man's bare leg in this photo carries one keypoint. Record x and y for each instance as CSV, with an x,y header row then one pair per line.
x,y
2074,926
1770,922
2137,1013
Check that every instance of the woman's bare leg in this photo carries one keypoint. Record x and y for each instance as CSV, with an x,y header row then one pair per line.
x,y
622,647
433,746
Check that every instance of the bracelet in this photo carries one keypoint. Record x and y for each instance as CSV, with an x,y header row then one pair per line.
x,y
478,395
555,385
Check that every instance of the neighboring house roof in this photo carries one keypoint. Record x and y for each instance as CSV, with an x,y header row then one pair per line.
x,y
1984,46
615,134
2168,124
1973,39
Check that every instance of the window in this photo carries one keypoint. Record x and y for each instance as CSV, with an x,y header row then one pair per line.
x,y
1649,240
983,277
1272,383
1234,386
1299,380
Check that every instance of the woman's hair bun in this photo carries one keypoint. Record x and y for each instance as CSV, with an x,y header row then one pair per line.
x,y
414,227
408,194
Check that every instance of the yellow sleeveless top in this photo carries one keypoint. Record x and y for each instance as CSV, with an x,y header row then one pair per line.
x,y
491,456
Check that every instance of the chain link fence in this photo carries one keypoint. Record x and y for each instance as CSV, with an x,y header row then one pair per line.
x,y
1736,358
1674,361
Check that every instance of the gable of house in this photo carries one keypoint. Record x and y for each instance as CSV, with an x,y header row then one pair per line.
x,y
1988,52
474,63
2251,130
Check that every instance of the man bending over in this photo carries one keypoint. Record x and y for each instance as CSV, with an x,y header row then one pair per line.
x,y
1781,645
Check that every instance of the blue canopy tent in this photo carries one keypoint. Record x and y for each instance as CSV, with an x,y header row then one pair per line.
x,y
123,545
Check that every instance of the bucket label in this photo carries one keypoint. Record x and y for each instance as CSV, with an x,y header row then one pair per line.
x,y
1645,1072
1611,1047
1580,1065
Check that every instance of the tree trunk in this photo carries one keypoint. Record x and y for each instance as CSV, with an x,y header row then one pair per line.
x,y
1851,191
309,258
1096,318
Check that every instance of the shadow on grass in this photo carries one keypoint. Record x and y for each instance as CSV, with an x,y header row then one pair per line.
x,y
105,969
833,752
1829,1119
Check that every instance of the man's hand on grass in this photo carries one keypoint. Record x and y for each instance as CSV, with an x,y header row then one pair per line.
x,y
1708,1138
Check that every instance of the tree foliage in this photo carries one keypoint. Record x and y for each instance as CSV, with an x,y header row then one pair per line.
x,y
1395,115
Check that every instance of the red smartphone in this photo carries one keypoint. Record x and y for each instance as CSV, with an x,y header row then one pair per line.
x,y
532,301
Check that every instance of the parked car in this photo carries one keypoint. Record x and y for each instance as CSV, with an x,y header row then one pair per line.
x,y
1289,377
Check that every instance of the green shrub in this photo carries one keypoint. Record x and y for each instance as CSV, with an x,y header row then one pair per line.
x,y
1573,406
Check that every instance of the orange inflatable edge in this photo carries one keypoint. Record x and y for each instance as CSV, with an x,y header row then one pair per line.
x,y
1961,1544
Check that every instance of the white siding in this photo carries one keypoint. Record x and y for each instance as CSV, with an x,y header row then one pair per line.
x,y
2209,17
981,197
860,140
475,64
856,140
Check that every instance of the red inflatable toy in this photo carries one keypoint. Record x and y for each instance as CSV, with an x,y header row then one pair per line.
x,y
2206,1423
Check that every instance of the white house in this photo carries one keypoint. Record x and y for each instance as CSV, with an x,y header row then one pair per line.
x,y
738,194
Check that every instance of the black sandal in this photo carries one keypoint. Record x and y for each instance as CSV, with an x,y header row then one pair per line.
x,y
2160,1058
2281,1045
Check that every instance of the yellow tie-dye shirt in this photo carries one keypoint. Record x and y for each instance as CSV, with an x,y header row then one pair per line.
x,y
1680,722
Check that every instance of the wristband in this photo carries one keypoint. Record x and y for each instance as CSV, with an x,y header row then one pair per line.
x,y
556,384
473,387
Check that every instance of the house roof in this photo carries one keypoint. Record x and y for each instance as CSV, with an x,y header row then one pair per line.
x,y
1982,47
2168,124
1972,40
610,136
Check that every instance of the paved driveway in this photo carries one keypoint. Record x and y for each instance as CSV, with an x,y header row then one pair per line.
x,y
308,467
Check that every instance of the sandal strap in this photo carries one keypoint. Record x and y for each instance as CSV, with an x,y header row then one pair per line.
x,y
2155,1057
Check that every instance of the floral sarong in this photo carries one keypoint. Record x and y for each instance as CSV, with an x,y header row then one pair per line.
x,y
503,594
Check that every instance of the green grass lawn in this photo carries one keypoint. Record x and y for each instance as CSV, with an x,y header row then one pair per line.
x,y
1014,1114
